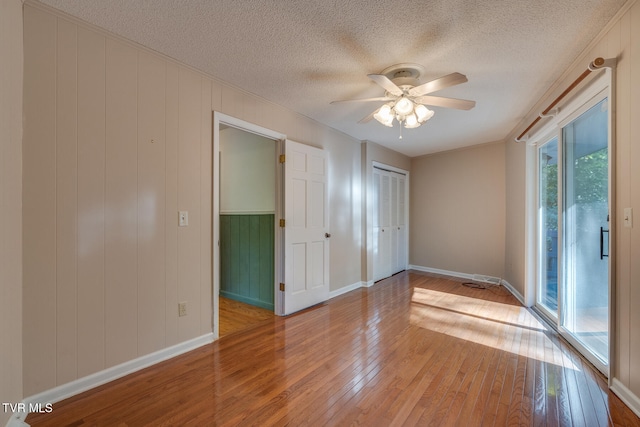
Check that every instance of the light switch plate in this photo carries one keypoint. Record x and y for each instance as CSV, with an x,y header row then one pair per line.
x,y
628,217
183,218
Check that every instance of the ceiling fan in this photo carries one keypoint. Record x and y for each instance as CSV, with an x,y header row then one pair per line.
x,y
406,99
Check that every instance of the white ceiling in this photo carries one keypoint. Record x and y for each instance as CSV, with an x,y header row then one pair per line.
x,y
303,54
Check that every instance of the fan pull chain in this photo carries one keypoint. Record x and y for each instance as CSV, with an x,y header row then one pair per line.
x,y
400,130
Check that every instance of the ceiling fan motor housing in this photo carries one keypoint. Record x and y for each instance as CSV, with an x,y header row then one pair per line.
x,y
405,74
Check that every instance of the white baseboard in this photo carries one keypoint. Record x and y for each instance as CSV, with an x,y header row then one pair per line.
x,y
443,272
80,385
350,288
513,291
626,395
16,420
346,289
467,276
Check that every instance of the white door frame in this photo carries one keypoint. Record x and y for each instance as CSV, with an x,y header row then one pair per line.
x,y
223,119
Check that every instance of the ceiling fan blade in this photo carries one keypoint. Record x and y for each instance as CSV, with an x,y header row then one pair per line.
x,y
438,101
438,84
368,118
386,84
379,98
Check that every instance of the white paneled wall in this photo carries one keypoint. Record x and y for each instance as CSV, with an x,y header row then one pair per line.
x,y
10,202
151,143
39,204
117,141
90,206
622,41
67,190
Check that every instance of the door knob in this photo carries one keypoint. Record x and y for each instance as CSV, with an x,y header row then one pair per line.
x,y
327,235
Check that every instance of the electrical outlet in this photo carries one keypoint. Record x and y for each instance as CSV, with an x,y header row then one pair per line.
x,y
182,309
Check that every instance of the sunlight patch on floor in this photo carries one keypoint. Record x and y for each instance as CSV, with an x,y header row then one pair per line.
x,y
502,326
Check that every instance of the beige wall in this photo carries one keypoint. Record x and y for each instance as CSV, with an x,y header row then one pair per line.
x,y
514,262
248,172
117,141
621,40
10,204
457,212
372,152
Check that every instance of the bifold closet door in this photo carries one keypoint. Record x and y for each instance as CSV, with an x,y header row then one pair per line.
x,y
389,224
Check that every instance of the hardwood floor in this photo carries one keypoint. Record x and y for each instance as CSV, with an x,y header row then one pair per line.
x,y
412,350
236,316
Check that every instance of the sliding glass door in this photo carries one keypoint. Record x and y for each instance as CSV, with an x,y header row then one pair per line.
x,y
573,230
585,308
547,297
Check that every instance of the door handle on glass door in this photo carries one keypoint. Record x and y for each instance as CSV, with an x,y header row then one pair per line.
x,y
602,231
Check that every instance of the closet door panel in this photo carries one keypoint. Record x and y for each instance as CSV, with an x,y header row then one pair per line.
x,y
389,223
402,226
393,228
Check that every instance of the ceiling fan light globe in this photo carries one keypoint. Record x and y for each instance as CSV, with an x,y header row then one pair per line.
x,y
386,122
384,116
423,113
411,121
428,116
403,107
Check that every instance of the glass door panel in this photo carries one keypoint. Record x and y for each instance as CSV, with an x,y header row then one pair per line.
x,y
547,296
584,312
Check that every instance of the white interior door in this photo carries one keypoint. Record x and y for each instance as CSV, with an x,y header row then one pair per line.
x,y
306,229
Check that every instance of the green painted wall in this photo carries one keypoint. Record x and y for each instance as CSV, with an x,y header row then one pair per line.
x,y
246,255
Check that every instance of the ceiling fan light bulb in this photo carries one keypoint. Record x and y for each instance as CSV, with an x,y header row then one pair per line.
x,y
404,106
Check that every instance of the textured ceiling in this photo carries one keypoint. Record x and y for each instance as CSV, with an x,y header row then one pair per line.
x,y
303,54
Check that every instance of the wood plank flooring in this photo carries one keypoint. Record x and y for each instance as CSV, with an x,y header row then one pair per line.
x,y
414,349
236,316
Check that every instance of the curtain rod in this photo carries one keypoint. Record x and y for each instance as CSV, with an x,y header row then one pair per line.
x,y
595,65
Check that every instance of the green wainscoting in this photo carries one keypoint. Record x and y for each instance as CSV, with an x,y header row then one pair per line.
x,y
247,258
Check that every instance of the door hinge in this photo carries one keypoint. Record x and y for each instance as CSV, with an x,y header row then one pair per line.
x,y
282,287
282,223
282,158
